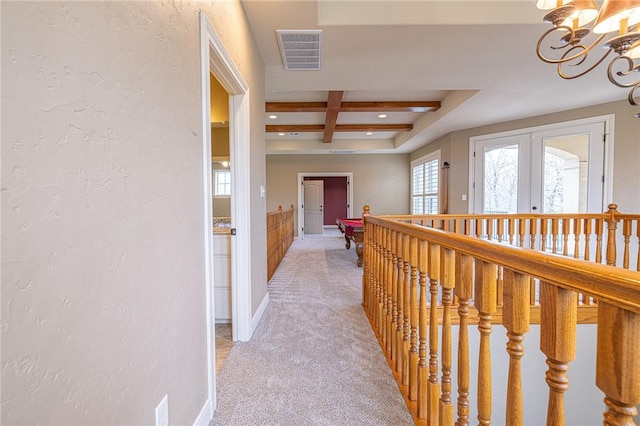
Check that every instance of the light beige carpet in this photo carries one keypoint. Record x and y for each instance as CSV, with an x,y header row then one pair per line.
x,y
313,360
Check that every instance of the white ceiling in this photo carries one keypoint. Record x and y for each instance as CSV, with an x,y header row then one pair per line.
x,y
477,57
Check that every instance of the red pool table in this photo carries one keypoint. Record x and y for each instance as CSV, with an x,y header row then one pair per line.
x,y
353,230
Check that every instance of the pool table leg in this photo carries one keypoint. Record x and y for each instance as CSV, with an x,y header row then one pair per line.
x,y
348,240
359,253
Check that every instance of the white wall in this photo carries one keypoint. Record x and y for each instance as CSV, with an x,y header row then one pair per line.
x,y
103,294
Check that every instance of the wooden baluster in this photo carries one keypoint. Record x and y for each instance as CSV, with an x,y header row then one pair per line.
x,y
464,290
499,286
522,229
433,386
383,286
587,239
423,372
490,229
365,273
400,307
577,230
612,223
368,250
500,229
393,278
554,234
413,339
544,232
406,328
485,302
516,321
448,284
533,229
599,227
566,222
618,365
586,300
381,295
479,226
626,233
511,225
388,275
559,314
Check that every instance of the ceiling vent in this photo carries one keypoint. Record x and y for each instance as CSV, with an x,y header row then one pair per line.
x,y
300,49
341,151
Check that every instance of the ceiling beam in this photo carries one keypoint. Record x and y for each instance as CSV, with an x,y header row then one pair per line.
x,y
331,116
295,106
275,128
373,106
397,106
374,127
306,128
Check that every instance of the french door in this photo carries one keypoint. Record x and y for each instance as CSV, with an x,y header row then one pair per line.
x,y
551,171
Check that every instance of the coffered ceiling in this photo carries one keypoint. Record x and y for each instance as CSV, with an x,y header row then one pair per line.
x,y
432,67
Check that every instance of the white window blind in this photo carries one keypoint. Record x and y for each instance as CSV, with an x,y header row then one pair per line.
x,y
425,185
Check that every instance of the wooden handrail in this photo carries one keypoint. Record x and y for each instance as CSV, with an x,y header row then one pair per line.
x,y
279,237
411,272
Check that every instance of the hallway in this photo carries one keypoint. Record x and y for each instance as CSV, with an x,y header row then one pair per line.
x,y
313,358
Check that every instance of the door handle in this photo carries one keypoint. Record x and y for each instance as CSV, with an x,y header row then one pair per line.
x,y
534,208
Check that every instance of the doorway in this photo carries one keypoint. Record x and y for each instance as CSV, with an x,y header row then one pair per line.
x,y
304,178
545,170
215,60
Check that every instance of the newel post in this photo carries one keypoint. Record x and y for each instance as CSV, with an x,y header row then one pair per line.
x,y
618,365
612,222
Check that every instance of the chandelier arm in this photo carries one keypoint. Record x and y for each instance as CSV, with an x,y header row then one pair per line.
x,y
568,37
632,96
571,77
613,77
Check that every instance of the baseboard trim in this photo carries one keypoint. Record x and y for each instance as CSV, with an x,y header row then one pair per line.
x,y
258,315
206,414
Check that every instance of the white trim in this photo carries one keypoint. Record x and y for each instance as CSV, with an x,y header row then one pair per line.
x,y
607,120
205,34
301,177
215,59
205,416
239,133
435,155
258,315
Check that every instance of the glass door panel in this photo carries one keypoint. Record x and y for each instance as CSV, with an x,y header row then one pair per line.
x,y
500,180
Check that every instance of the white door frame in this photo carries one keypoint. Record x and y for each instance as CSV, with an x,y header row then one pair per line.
x,y
607,120
215,59
301,177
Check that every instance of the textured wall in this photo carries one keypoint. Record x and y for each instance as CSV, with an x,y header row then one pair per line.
x,y
626,156
103,296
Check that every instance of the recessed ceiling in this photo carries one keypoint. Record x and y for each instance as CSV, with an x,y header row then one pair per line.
x,y
476,58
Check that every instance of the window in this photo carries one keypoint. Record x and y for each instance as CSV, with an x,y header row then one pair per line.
x,y
222,186
425,184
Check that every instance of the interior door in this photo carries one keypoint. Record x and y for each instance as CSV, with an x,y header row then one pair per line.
x,y
554,171
312,205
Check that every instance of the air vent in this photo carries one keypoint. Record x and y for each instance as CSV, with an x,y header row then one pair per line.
x,y
341,151
300,49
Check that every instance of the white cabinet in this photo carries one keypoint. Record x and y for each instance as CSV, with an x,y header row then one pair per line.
x,y
222,277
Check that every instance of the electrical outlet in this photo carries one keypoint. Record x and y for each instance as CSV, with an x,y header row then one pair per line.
x,y
162,412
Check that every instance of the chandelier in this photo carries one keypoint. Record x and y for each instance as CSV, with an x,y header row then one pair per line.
x,y
615,29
